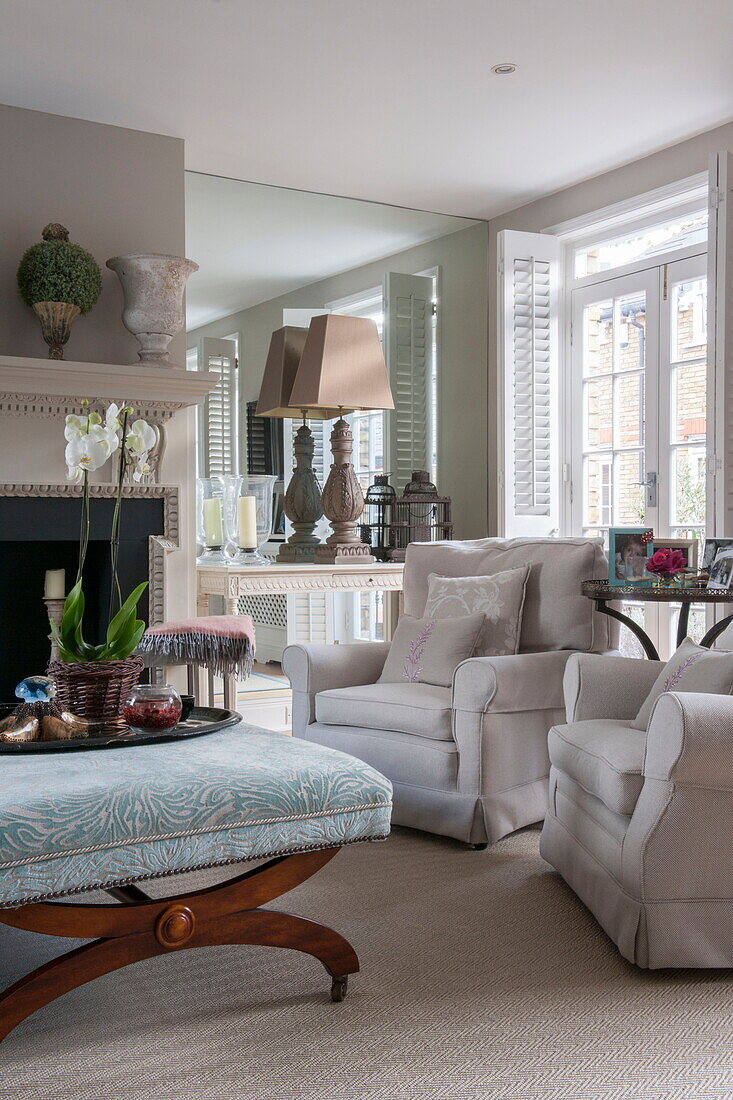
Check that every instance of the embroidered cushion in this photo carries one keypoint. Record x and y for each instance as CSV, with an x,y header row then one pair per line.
x,y
691,668
82,820
499,596
428,651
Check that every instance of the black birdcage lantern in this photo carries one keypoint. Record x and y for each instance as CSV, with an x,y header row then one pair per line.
x,y
377,516
419,515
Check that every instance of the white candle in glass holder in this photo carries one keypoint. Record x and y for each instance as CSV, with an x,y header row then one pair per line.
x,y
213,532
54,585
247,523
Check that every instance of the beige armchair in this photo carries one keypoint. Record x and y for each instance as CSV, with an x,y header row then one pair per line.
x,y
639,822
469,761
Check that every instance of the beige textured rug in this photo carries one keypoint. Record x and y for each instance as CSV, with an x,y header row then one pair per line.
x,y
482,977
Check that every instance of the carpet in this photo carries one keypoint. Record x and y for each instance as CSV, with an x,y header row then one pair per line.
x,y
482,977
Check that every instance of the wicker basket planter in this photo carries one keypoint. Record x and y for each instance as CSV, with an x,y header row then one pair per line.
x,y
96,690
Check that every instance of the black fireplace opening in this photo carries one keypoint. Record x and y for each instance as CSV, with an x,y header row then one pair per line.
x,y
41,533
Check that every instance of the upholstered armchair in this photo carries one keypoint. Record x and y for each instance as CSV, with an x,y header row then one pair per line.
x,y
467,761
639,823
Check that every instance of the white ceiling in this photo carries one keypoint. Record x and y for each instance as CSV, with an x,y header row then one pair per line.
x,y
391,100
253,243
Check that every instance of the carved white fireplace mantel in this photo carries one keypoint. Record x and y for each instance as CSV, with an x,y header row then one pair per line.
x,y
158,545
53,387
36,394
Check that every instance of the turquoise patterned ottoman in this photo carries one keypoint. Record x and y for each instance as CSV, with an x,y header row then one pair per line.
x,y
106,819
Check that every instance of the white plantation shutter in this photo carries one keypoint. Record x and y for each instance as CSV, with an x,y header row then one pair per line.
x,y
219,423
720,348
408,302
310,617
529,271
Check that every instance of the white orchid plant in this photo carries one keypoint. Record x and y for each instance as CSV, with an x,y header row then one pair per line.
x,y
90,442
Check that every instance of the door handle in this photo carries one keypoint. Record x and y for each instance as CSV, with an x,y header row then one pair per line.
x,y
650,485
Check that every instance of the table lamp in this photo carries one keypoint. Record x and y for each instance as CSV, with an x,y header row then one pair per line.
x,y
341,369
302,504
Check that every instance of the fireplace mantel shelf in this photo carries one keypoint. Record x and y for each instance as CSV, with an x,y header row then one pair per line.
x,y
47,387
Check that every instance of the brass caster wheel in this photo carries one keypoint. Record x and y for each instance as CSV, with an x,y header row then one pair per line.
x,y
338,988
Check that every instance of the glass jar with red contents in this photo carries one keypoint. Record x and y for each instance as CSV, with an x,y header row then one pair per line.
x,y
151,707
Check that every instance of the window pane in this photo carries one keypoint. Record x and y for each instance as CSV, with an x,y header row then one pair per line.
x,y
598,490
629,645
630,411
598,413
630,332
689,389
689,320
630,506
676,233
696,627
688,486
598,338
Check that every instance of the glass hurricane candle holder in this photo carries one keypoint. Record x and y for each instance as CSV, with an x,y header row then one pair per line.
x,y
152,707
247,517
210,521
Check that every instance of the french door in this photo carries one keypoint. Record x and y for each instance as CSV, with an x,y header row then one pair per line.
x,y
638,411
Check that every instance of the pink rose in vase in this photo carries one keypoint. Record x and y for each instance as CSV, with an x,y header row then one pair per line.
x,y
666,563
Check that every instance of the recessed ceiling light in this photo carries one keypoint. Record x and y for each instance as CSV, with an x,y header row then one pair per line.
x,y
504,69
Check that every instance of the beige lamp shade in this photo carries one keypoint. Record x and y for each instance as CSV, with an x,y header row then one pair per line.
x,y
286,348
341,369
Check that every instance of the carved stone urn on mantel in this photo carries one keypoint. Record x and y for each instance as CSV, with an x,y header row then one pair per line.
x,y
153,285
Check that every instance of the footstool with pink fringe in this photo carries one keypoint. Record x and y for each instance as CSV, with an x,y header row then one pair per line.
x,y
224,645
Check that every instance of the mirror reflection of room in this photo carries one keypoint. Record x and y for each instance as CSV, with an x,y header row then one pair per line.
x,y
272,257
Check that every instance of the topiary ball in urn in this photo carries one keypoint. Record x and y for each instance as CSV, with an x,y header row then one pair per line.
x,y
59,280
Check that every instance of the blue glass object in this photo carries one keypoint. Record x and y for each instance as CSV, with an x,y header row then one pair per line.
x,y
36,689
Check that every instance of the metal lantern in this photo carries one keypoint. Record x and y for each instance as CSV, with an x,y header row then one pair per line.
x,y
419,515
377,516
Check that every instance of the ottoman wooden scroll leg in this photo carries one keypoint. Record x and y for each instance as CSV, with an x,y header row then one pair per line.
x,y
142,927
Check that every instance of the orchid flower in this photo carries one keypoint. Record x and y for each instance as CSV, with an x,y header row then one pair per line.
x,y
141,438
75,426
112,418
142,467
88,452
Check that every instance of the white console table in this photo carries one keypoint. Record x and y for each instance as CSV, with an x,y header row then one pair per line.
x,y
233,581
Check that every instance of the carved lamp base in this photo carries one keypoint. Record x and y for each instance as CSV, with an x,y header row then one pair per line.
x,y
302,502
344,554
343,503
296,555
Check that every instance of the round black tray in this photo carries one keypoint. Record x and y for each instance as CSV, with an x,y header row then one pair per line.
x,y
201,720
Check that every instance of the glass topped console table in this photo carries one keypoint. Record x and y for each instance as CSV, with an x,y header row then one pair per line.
x,y
604,594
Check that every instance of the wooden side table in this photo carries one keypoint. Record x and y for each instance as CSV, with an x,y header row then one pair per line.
x,y
604,594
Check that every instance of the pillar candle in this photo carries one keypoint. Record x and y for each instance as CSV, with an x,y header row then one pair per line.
x,y
54,586
247,522
213,534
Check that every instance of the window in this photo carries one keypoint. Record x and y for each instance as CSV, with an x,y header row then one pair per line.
x,y
655,240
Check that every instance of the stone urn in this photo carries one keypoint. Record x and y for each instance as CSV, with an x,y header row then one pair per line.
x,y
153,286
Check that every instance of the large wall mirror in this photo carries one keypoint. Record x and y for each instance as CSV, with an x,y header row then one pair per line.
x,y
270,256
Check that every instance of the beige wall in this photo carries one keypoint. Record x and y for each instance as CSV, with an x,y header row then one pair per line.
x,y
462,258
671,164
116,191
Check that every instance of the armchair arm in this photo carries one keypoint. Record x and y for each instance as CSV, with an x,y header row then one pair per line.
x,y
510,683
314,668
597,686
690,740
